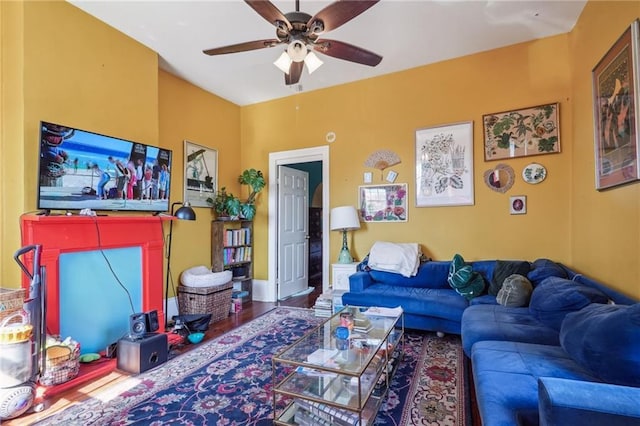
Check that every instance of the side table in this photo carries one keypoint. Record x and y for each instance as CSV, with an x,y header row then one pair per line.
x,y
340,273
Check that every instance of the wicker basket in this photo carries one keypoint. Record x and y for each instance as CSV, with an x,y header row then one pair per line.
x,y
61,369
11,301
214,300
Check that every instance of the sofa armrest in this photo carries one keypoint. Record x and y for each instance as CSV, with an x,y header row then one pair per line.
x,y
359,281
575,402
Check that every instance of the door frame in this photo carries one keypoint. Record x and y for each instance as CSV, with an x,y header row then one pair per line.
x,y
283,158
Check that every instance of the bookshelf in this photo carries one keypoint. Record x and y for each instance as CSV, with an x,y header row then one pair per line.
x,y
232,249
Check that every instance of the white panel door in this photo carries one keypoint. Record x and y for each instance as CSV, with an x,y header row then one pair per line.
x,y
293,231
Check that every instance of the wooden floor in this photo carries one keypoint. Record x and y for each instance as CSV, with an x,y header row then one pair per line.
x,y
249,311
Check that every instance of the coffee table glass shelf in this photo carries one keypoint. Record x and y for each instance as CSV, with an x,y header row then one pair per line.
x,y
322,385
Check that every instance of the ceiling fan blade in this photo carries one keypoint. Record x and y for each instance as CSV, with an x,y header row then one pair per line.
x,y
268,11
338,13
346,51
243,47
295,71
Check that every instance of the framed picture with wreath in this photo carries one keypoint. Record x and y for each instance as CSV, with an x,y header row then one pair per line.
x,y
616,115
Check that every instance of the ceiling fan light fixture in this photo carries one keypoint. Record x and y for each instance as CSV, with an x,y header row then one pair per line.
x,y
283,62
312,62
297,51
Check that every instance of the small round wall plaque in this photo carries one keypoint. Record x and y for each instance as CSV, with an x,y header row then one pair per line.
x,y
534,173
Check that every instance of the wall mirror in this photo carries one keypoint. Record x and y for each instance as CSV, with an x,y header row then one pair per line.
x,y
500,178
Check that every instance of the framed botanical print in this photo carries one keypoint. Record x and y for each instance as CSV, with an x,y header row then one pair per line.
x,y
444,165
522,132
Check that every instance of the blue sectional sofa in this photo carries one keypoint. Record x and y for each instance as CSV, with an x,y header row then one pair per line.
x,y
570,357
428,300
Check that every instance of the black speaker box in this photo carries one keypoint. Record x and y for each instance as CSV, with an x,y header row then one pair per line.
x,y
137,325
152,321
142,354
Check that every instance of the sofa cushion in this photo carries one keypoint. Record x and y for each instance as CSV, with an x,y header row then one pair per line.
x,y
430,275
484,268
555,297
605,339
463,279
506,375
515,292
505,268
485,299
496,322
545,268
437,302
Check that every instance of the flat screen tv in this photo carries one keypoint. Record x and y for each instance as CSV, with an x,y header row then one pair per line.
x,y
79,170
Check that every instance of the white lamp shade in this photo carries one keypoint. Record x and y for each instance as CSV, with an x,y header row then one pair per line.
x,y
344,218
312,62
297,51
283,62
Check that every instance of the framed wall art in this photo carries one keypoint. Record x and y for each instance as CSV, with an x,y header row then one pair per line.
x,y
383,203
520,133
616,85
518,204
200,174
444,165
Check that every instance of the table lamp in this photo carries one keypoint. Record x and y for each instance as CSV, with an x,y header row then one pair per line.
x,y
344,218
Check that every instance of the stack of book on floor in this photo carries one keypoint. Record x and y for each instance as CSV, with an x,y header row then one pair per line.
x,y
323,306
311,413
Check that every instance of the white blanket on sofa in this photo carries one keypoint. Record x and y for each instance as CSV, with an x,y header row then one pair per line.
x,y
402,258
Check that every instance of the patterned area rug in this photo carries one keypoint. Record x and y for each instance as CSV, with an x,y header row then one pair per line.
x,y
228,381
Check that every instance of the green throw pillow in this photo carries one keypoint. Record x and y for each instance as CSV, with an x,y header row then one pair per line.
x,y
464,280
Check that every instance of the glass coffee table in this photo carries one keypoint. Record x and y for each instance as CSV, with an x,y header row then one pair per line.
x,y
326,385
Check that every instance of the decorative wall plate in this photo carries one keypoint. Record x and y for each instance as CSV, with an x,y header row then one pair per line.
x,y
500,179
534,173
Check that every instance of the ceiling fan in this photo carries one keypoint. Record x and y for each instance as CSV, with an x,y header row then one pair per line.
x,y
300,32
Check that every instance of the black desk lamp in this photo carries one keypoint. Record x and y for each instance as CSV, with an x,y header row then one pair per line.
x,y
184,213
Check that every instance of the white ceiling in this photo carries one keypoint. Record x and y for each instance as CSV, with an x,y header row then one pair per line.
x,y
407,33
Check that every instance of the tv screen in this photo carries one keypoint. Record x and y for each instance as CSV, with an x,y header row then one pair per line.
x,y
81,169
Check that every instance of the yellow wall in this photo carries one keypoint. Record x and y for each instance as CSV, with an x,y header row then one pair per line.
x,y
187,112
12,148
384,112
606,224
61,64
58,63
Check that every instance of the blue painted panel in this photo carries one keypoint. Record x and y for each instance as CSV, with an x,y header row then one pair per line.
x,y
94,306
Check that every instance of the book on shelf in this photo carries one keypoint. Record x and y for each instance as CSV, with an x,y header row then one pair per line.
x,y
233,255
321,356
335,416
362,325
237,237
305,418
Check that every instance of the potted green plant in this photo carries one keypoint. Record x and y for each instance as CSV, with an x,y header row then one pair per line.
x,y
255,181
225,204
